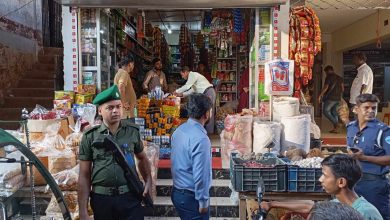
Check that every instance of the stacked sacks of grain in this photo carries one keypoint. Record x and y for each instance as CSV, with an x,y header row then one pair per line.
x,y
285,107
236,137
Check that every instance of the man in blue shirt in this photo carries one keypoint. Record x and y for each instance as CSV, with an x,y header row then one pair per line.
x,y
191,161
371,140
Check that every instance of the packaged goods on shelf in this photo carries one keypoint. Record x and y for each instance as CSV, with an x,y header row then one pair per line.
x,y
64,95
62,104
84,98
86,89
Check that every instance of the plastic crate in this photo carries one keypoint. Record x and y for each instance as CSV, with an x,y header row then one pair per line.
x,y
304,179
245,179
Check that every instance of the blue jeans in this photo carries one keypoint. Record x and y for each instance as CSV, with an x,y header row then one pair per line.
x,y
187,206
330,111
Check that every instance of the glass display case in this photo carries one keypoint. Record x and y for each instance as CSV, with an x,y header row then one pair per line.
x,y
260,52
97,41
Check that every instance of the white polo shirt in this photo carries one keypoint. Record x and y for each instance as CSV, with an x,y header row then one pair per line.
x,y
363,77
196,83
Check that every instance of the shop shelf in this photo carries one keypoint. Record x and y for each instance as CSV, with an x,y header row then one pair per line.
x,y
304,179
245,179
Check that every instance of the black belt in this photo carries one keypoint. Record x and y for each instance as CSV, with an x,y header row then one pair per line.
x,y
211,87
111,191
369,176
184,191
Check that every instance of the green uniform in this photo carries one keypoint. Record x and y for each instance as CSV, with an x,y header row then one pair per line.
x,y
111,198
105,171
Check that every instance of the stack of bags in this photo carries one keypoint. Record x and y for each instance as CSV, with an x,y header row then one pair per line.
x,y
67,181
11,177
236,137
53,153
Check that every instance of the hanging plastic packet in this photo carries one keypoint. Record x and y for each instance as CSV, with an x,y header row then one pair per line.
x,y
86,114
41,113
73,140
89,113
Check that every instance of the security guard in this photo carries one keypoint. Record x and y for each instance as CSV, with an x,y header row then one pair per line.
x,y
101,178
371,138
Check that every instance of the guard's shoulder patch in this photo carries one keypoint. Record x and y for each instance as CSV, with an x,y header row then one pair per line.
x,y
351,123
91,129
387,139
127,123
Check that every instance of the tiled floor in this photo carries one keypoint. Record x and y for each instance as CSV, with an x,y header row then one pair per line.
x,y
326,126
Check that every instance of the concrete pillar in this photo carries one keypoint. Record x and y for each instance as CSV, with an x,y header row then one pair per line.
x,y
283,28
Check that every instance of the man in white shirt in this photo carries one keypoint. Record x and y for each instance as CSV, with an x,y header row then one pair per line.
x,y
197,83
364,79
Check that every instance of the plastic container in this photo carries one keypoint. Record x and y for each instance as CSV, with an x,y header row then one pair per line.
x,y
304,179
245,179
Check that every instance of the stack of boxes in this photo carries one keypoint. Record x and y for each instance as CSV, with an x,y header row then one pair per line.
x,y
142,107
63,100
85,94
157,120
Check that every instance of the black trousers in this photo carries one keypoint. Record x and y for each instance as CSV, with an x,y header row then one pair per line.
x,y
121,207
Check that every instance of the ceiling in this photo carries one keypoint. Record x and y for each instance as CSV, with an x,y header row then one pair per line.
x,y
334,19
336,14
347,4
173,19
171,4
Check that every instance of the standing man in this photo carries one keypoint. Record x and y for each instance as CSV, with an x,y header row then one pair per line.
x,y
372,138
191,161
364,79
331,96
197,83
155,77
100,177
340,173
123,81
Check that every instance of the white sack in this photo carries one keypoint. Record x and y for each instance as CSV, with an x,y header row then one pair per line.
x,y
296,132
285,107
264,133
